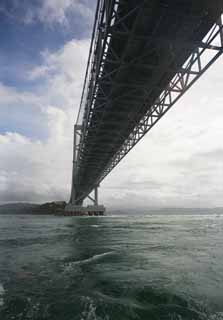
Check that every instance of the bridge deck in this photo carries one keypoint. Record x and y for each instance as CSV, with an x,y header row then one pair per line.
x,y
147,44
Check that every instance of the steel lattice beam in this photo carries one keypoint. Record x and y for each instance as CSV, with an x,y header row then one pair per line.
x,y
104,136
182,81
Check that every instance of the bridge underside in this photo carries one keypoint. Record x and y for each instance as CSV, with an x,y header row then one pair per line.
x,y
144,56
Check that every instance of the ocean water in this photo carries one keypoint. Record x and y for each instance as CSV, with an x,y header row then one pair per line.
x,y
113,267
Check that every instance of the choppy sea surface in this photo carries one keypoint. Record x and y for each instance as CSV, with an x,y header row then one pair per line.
x,y
112,267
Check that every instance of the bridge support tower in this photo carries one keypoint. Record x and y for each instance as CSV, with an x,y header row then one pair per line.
x,y
75,205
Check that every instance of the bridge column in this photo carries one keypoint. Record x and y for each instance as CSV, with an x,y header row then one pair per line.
x,y
96,195
77,129
95,209
95,199
75,206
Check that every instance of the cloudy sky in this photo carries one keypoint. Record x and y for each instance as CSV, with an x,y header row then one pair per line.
x,y
43,52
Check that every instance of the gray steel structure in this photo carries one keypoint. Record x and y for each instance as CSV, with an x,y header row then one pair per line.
x,y
144,56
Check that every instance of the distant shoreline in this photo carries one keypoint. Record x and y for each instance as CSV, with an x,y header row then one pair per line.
x,y
53,208
48,208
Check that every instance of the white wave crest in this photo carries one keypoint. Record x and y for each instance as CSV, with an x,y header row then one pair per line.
x,y
92,259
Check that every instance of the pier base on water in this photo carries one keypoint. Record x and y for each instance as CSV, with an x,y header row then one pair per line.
x,y
75,206
75,210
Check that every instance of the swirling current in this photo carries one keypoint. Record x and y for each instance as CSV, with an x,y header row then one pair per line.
x,y
109,268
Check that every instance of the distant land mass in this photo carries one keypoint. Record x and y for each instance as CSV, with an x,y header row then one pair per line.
x,y
58,206
32,208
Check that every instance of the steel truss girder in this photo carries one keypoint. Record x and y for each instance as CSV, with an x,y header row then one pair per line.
x,y
105,17
100,70
106,22
198,62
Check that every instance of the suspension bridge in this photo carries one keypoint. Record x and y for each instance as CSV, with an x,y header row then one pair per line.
x,y
144,55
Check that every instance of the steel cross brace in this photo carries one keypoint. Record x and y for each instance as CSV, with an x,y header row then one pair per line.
x,y
198,62
106,18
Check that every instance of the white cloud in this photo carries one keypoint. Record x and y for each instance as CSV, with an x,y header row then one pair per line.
x,y
10,95
50,12
40,169
55,10
58,11
62,73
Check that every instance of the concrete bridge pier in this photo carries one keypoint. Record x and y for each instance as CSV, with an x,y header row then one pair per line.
x,y
76,208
